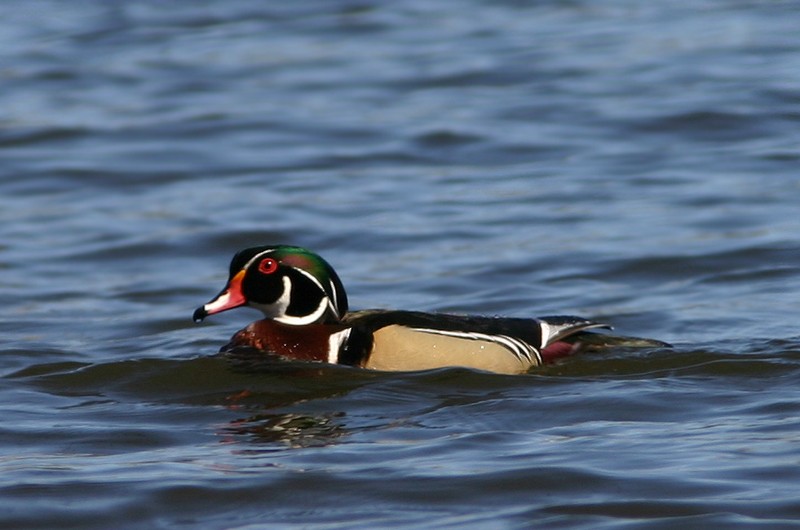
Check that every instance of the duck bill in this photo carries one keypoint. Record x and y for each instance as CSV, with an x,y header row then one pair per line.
x,y
230,297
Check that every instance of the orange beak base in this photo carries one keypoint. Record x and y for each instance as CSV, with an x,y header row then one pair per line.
x,y
229,298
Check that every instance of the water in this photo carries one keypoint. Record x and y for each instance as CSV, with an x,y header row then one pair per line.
x,y
633,163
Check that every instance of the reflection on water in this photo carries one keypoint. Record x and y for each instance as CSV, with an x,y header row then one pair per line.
x,y
633,163
288,429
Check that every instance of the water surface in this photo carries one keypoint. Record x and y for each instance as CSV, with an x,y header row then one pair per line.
x,y
635,164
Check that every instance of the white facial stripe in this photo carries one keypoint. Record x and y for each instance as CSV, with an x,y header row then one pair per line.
x,y
311,277
306,319
256,258
335,302
282,304
332,304
335,342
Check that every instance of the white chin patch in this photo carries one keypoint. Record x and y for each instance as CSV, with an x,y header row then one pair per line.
x,y
277,309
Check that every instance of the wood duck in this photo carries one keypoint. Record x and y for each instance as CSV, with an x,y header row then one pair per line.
x,y
306,318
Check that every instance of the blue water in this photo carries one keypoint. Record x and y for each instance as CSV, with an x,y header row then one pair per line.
x,y
634,163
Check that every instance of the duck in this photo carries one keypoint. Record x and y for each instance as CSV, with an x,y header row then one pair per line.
x,y
306,318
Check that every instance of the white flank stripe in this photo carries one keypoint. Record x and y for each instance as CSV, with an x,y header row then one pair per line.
x,y
519,348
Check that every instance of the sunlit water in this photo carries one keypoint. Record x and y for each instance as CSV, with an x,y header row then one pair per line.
x,y
636,163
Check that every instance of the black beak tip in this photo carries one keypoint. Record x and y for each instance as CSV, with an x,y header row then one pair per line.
x,y
199,314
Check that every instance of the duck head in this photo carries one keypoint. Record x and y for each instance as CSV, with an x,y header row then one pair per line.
x,y
288,284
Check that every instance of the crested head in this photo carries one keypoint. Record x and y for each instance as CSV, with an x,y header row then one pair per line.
x,y
288,284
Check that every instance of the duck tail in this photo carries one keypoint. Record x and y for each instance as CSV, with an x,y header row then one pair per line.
x,y
555,328
567,335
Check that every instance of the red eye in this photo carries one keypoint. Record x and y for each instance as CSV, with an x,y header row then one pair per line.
x,y
267,266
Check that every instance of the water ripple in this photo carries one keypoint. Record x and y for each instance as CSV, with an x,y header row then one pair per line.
x,y
636,165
